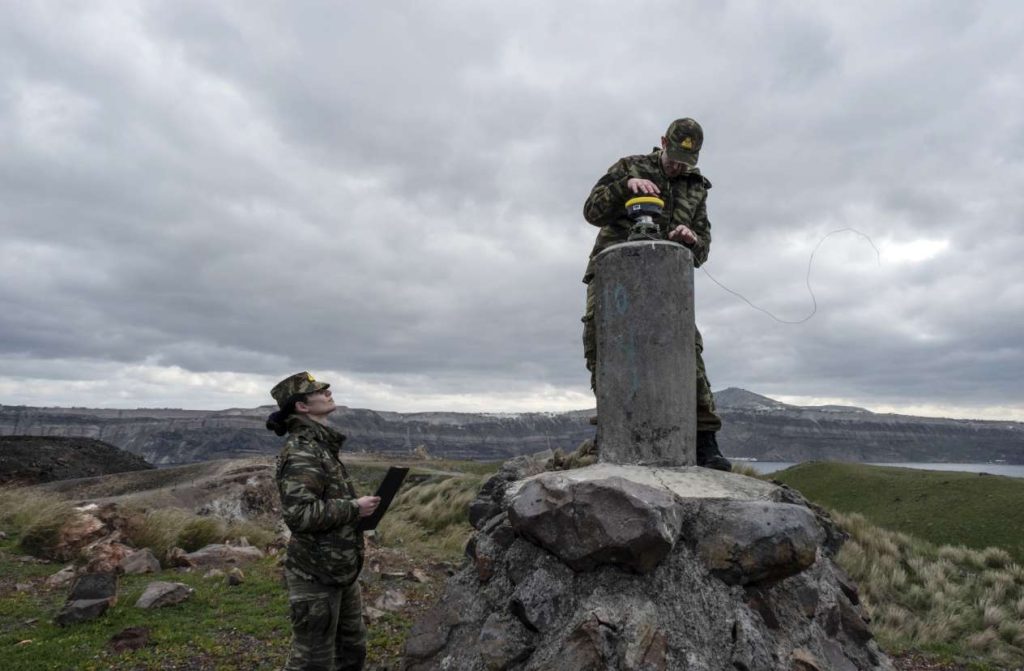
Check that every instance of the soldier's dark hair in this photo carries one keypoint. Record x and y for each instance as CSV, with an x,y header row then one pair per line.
x,y
278,421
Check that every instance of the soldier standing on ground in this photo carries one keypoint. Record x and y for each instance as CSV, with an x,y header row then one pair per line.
x,y
670,173
320,507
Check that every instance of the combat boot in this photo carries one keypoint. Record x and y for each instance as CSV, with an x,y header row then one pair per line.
x,y
708,455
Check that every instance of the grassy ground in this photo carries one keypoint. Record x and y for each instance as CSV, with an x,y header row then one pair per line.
x,y
960,606
944,508
222,627
939,557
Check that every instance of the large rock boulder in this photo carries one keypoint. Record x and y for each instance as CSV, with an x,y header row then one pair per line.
x,y
627,567
160,594
90,597
586,523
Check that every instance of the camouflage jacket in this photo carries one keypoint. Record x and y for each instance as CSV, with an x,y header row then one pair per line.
x,y
685,203
318,504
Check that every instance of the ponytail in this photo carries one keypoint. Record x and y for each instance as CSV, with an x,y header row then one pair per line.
x,y
278,421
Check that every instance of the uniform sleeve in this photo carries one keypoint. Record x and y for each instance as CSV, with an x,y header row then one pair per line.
x,y
604,205
301,484
702,229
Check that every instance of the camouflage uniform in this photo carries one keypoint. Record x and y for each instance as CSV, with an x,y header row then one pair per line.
x,y
325,553
685,199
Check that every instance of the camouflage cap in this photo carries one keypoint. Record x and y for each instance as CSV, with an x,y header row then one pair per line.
x,y
300,383
684,139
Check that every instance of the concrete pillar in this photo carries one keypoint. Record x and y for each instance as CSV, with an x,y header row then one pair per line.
x,y
646,369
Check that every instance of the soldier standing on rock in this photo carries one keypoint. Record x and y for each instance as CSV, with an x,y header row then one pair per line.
x,y
670,173
320,507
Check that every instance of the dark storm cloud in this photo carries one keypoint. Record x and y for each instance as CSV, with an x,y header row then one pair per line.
x,y
193,192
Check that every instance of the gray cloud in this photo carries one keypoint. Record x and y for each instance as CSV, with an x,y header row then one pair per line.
x,y
190,192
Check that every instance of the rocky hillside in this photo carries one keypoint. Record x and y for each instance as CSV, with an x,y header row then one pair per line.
x,y
755,427
35,459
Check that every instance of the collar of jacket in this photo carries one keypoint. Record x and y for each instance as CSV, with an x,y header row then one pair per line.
x,y
307,428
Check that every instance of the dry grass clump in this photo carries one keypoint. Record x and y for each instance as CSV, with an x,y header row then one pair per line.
x,y
741,468
166,528
432,515
36,517
924,597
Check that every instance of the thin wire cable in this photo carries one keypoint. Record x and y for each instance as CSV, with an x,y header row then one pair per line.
x,y
810,261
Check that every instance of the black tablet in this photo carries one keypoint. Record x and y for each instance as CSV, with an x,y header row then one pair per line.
x,y
387,490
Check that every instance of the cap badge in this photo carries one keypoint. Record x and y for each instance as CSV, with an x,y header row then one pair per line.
x,y
687,143
310,377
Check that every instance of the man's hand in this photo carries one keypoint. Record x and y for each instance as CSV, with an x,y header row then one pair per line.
x,y
683,234
367,505
637,185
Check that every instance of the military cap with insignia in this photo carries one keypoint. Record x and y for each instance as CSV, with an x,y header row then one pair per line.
x,y
295,385
684,140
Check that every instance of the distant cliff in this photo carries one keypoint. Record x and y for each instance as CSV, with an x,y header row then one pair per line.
x,y
755,427
166,437
761,428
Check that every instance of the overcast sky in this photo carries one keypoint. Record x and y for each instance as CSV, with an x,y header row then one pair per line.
x,y
200,198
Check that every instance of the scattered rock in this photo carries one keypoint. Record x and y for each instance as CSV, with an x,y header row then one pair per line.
x,y
417,575
140,561
221,555
19,644
132,638
242,542
235,577
371,614
392,575
31,621
391,600
178,558
106,555
159,594
213,573
3,536
96,586
23,587
29,559
61,578
81,610
91,595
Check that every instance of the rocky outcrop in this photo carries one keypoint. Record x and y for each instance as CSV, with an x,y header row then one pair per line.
x,y
629,567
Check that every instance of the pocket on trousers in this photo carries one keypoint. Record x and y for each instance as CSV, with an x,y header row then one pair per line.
x,y
311,616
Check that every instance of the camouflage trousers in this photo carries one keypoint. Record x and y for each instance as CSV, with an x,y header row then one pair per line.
x,y
327,626
707,418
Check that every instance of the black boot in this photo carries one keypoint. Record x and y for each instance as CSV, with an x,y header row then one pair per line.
x,y
708,455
